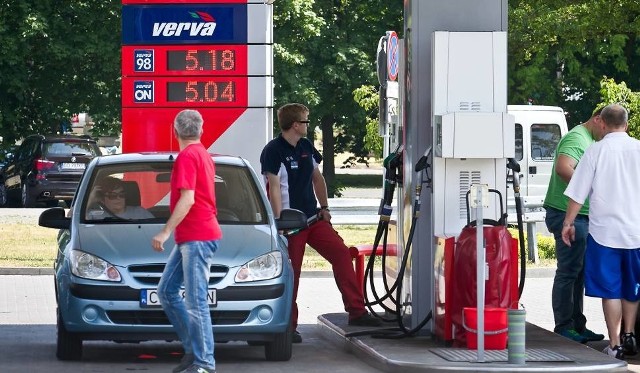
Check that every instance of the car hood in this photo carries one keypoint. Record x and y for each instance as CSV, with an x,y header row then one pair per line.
x,y
128,244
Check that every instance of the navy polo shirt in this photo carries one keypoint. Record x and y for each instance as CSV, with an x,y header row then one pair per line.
x,y
294,166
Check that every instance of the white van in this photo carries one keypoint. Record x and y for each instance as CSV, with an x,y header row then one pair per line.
x,y
538,131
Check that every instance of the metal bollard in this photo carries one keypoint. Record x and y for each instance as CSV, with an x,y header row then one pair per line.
x,y
516,336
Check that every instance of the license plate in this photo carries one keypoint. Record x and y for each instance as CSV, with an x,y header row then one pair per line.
x,y
73,166
149,297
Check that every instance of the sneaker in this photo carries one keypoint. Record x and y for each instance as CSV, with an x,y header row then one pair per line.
x,y
629,345
591,336
365,320
573,335
615,352
186,361
296,337
193,368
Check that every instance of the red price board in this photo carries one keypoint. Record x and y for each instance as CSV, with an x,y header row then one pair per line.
x,y
157,132
192,60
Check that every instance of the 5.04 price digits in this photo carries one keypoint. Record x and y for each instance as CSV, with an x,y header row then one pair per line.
x,y
201,60
201,91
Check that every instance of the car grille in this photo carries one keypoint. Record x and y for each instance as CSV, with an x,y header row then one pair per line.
x,y
149,274
160,318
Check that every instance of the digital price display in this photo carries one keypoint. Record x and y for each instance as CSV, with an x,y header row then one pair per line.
x,y
192,91
201,91
202,60
194,60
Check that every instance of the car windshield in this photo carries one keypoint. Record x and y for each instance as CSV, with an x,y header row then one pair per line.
x,y
139,193
69,148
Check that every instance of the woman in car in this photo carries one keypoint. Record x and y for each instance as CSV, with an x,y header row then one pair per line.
x,y
108,200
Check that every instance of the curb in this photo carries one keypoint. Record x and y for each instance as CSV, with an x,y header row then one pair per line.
x,y
538,272
26,271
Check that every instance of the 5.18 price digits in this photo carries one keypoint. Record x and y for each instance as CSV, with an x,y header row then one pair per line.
x,y
201,60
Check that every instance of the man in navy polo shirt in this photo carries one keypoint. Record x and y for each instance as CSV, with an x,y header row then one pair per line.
x,y
293,180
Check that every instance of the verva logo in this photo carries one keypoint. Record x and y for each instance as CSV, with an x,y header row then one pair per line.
x,y
184,24
205,27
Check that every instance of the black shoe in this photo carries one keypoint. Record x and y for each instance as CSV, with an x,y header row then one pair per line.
x,y
629,345
296,337
365,320
591,336
185,363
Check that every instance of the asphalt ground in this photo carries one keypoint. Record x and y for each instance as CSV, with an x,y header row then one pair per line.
x,y
27,327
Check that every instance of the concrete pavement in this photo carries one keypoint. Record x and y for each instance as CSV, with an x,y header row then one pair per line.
x,y
27,305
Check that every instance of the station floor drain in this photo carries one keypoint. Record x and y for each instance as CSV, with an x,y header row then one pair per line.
x,y
466,355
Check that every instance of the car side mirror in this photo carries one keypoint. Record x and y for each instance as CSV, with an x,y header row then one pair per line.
x,y
54,218
291,219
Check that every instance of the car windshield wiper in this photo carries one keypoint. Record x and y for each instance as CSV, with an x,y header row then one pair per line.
x,y
80,154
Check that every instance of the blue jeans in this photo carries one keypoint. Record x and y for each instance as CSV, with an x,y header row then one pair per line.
x,y
568,285
189,263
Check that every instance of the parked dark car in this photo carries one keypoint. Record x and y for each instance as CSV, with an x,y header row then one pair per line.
x,y
5,155
45,168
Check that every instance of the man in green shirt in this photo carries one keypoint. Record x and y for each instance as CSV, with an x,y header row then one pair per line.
x,y
568,284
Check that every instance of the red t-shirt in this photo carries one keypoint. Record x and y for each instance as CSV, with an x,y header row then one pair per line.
x,y
194,170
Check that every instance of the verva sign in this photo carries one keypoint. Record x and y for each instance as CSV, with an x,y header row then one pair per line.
x,y
187,24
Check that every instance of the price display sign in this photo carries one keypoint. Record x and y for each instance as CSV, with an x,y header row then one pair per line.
x,y
209,60
185,91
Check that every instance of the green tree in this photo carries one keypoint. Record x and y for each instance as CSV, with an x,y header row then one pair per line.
x,y
614,93
58,57
325,50
559,50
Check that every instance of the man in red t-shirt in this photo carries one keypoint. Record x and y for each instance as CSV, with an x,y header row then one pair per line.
x,y
193,216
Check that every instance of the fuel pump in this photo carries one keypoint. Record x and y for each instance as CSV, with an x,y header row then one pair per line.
x,y
394,292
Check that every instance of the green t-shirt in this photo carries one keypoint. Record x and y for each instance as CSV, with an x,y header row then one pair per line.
x,y
573,144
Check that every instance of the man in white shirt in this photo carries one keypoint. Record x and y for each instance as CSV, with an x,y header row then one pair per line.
x,y
609,174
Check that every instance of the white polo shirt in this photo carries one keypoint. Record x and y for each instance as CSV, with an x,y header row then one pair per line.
x,y
609,174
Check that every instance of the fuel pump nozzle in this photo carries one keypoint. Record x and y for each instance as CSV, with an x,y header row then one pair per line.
x,y
392,174
514,166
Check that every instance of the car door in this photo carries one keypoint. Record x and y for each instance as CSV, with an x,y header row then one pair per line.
x,y
19,167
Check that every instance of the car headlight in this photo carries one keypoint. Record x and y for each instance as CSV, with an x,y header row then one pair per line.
x,y
264,267
90,266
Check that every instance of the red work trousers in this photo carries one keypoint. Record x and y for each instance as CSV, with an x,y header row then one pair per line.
x,y
327,242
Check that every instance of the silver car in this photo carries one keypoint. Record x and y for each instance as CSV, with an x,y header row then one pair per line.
x,y
106,272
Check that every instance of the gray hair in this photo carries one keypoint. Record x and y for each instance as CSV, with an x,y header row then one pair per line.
x,y
188,124
614,115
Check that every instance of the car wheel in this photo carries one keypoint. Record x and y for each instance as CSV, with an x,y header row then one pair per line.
x,y
280,348
69,344
3,196
27,199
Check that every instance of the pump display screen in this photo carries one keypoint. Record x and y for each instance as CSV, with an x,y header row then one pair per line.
x,y
204,91
201,60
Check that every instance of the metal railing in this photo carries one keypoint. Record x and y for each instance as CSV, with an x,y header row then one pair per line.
x,y
364,211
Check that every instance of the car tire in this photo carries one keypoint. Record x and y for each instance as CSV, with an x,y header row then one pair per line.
x,y
69,345
281,347
27,200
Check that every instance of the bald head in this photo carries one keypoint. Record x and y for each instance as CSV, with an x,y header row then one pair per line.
x,y
614,116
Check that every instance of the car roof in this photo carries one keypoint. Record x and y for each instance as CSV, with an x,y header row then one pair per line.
x,y
162,156
58,138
